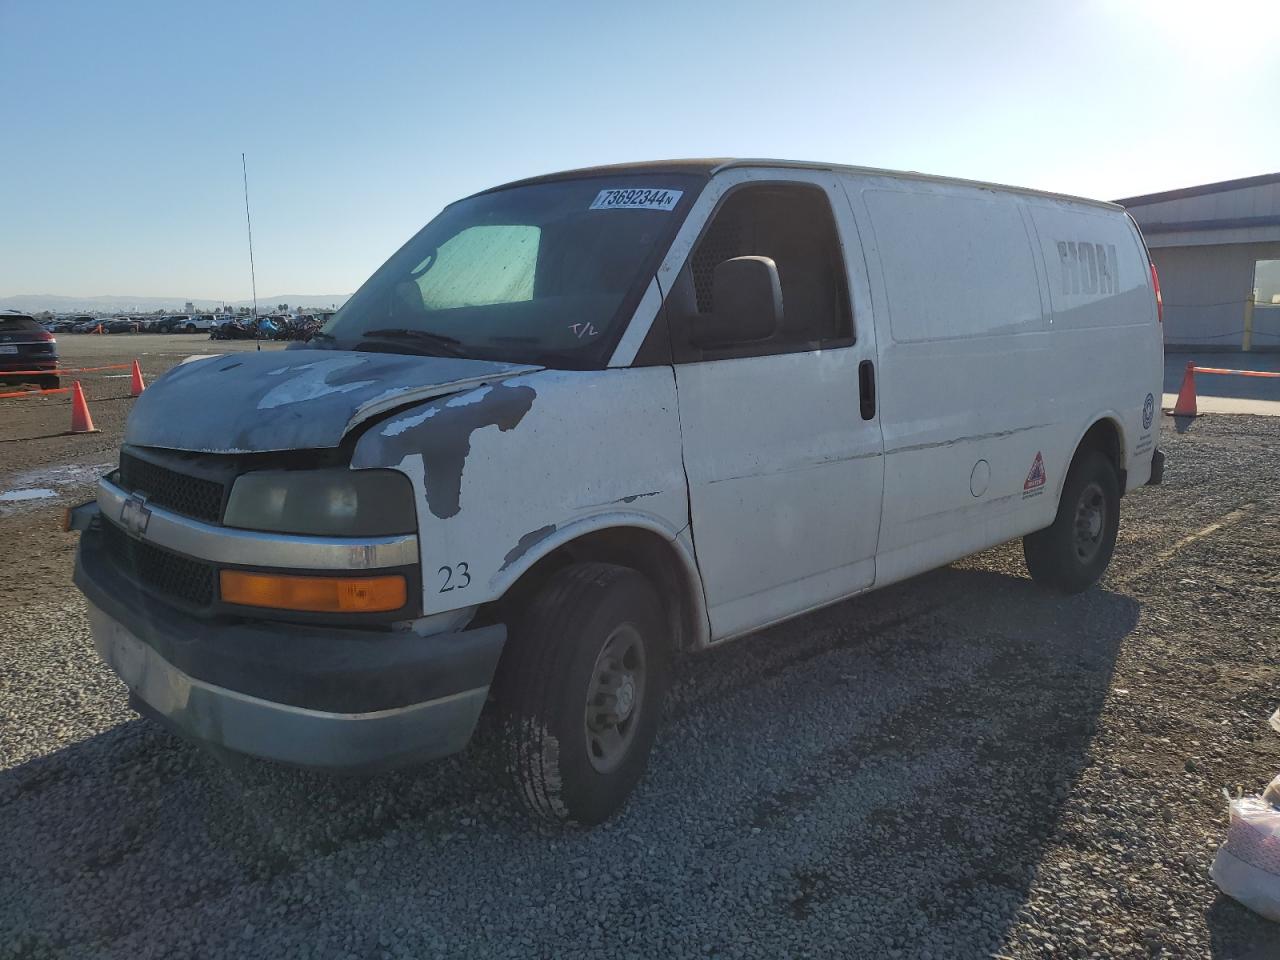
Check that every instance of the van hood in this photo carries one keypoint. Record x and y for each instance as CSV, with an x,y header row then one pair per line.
x,y
292,399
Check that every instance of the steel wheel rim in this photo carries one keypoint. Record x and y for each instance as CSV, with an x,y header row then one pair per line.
x,y
1090,522
615,698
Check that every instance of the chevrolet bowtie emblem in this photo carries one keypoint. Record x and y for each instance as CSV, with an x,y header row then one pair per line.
x,y
134,515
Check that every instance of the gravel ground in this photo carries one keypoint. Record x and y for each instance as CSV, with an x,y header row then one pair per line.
x,y
957,766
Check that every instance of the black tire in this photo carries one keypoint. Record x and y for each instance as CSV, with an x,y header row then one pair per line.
x,y
1072,554
191,328
555,659
50,383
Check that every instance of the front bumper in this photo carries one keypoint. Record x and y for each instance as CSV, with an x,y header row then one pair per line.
x,y
314,696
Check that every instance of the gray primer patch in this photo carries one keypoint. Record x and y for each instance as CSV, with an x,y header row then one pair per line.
x,y
444,441
526,543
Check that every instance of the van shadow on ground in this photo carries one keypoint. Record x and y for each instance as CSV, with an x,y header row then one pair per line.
x,y
885,773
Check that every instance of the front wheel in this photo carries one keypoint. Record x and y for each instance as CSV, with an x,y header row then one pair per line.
x,y
1072,553
580,691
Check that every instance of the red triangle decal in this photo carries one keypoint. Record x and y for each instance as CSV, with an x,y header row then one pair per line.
x,y
1036,477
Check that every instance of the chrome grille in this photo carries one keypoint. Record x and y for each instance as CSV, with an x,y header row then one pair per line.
x,y
166,573
191,496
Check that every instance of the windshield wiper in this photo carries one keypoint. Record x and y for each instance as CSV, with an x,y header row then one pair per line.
x,y
449,346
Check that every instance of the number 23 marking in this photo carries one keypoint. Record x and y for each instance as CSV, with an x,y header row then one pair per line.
x,y
461,571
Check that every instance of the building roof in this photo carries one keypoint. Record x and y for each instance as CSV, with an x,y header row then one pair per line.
x,y
1221,186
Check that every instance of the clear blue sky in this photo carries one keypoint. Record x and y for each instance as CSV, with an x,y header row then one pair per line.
x,y
123,122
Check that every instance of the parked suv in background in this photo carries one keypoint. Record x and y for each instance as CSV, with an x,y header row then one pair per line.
x,y
191,324
26,345
122,325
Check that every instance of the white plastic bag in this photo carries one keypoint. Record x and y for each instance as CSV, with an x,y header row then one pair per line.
x,y
1271,795
1247,867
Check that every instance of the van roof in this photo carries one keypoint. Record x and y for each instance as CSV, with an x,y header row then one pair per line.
x,y
709,166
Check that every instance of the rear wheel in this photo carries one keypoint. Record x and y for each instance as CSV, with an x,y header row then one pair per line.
x,y
191,328
50,383
1072,553
580,691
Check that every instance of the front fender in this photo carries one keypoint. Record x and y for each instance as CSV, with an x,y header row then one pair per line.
x,y
504,473
538,543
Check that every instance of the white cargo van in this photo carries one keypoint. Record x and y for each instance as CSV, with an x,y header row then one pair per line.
x,y
585,421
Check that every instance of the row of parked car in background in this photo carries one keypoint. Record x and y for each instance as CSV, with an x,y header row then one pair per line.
x,y
29,348
274,327
162,323
219,327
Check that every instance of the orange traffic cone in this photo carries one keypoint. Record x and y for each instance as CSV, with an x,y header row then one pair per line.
x,y
1186,405
98,328
136,384
81,422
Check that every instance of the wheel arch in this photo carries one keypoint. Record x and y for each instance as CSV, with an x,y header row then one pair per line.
x,y
1104,433
631,540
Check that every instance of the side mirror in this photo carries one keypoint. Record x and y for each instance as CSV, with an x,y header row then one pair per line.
x,y
746,299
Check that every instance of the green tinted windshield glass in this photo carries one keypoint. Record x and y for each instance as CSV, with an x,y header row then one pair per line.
x,y
480,266
545,273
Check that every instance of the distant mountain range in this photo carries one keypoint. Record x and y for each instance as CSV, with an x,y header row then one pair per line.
x,y
36,302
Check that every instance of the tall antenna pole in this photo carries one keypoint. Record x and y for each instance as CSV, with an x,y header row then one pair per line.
x,y
249,223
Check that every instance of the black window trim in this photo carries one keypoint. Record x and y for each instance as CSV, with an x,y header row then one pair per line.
x,y
683,352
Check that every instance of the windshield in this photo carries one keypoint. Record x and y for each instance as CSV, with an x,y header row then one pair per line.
x,y
546,273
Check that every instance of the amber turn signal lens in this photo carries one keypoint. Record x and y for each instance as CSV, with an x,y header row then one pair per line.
x,y
318,594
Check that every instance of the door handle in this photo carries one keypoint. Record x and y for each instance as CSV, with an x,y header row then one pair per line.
x,y
867,389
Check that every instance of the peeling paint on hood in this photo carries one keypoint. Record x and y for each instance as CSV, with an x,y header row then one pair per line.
x,y
292,399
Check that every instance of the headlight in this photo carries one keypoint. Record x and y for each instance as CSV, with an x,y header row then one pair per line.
x,y
336,502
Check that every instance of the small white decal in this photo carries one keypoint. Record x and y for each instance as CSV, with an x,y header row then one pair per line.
x,y
636,198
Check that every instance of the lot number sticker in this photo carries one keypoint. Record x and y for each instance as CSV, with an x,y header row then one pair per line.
x,y
636,198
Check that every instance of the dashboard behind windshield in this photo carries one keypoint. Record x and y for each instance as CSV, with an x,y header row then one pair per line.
x,y
546,273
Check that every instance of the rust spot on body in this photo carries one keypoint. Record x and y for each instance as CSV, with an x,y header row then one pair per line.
x,y
526,543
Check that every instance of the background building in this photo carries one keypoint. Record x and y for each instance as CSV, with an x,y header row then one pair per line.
x,y
1217,248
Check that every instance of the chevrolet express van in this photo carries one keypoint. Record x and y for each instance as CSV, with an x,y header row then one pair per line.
x,y
586,421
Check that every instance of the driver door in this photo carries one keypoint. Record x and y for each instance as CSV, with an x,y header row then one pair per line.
x,y
781,437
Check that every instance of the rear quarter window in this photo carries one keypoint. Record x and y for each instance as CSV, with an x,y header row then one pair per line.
x,y
955,264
